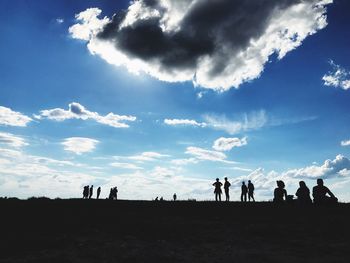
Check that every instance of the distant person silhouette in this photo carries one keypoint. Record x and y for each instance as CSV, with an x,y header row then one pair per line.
x,y
174,197
322,195
217,190
86,192
280,194
303,194
161,198
98,192
244,191
91,191
156,199
110,197
227,189
115,193
250,191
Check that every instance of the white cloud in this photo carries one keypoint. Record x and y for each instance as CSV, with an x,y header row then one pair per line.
x,y
252,121
207,155
345,143
181,162
338,77
78,111
79,145
130,166
144,157
12,140
226,144
9,117
184,122
59,20
222,60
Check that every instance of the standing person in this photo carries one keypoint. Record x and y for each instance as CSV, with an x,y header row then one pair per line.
x,y
115,193
174,197
303,194
227,189
250,191
91,191
244,192
217,190
280,194
86,192
98,192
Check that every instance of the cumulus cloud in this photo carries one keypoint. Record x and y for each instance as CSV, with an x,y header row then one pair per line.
x,y
9,117
251,121
79,145
184,122
226,144
12,140
78,111
345,143
338,77
59,20
173,40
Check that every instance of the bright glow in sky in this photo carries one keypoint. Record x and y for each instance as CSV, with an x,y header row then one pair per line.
x,y
155,98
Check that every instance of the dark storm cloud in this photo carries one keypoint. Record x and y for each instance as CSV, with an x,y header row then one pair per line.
x,y
206,28
217,44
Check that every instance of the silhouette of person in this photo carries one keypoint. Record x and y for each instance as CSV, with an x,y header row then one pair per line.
x,y
156,199
227,189
250,191
161,198
174,197
110,197
115,193
280,194
322,195
244,191
303,194
217,190
91,191
98,192
86,192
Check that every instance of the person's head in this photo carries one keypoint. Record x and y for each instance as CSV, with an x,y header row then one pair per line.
x,y
319,182
249,181
280,184
217,179
243,183
302,184
225,178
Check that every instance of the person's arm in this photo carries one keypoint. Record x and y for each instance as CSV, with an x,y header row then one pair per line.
x,y
285,194
330,193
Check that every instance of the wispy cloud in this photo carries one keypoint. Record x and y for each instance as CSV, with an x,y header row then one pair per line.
x,y
9,117
251,121
130,166
338,77
12,140
143,157
184,122
207,155
226,144
78,111
79,145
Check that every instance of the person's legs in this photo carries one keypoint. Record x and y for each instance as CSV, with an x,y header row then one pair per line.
x,y
219,196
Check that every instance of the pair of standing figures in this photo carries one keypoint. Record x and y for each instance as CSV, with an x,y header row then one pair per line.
x,y
245,190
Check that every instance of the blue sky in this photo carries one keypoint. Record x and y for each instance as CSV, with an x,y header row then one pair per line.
x,y
288,119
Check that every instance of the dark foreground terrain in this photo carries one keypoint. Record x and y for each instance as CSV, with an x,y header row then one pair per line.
x,y
130,231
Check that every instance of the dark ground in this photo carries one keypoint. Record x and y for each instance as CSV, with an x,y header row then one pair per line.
x,y
132,231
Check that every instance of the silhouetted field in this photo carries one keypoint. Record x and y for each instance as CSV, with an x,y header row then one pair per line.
x,y
136,231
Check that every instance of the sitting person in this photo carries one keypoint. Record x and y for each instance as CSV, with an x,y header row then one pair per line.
x,y
280,194
322,195
303,194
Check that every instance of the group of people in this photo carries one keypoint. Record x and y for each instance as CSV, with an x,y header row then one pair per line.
x,y
246,189
89,191
320,193
113,193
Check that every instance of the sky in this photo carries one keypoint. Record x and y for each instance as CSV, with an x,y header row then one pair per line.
x,y
161,96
